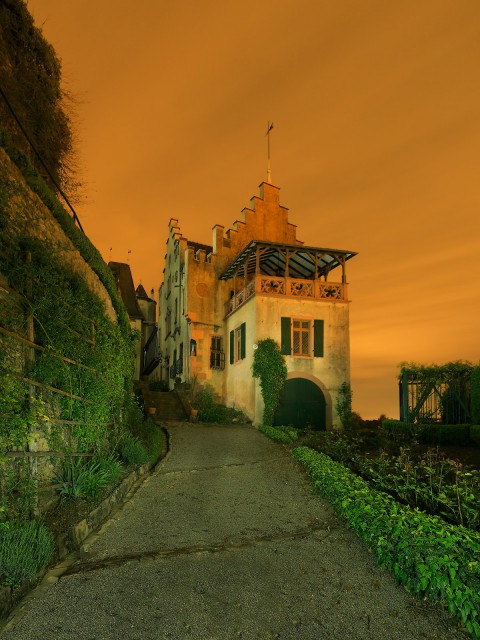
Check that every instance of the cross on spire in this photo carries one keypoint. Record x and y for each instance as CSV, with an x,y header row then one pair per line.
x,y
269,171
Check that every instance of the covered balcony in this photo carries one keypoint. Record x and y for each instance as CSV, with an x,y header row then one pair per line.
x,y
295,271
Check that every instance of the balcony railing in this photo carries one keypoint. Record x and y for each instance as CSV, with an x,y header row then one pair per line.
x,y
289,287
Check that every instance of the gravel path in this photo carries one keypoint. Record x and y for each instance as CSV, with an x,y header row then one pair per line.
x,y
226,540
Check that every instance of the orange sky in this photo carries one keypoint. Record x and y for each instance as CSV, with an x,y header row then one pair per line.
x,y
376,147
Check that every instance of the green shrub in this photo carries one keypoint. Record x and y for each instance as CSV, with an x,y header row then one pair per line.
x,y
427,555
458,434
393,427
337,445
211,411
284,435
132,451
25,548
110,466
475,433
475,396
152,436
158,385
80,479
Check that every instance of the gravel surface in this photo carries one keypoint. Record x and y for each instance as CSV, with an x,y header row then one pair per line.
x,y
226,540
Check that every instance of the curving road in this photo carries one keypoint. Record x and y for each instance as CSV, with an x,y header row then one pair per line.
x,y
226,540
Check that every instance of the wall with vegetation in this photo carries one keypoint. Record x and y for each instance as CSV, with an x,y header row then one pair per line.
x,y
66,356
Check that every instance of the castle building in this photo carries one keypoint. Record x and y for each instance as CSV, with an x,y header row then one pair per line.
x,y
141,311
256,281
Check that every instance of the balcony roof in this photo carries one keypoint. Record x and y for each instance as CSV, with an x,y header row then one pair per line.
x,y
273,257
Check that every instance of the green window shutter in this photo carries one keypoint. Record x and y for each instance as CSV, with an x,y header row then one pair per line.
x,y
243,332
318,338
232,347
286,339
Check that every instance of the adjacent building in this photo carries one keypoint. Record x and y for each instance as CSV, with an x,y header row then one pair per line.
x,y
256,281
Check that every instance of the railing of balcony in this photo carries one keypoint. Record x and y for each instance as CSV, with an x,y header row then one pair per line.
x,y
290,287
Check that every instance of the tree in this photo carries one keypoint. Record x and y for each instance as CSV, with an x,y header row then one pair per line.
x,y
30,79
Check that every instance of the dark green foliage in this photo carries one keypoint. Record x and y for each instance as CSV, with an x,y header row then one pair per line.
x,y
87,250
475,433
337,445
25,548
269,366
80,478
458,434
158,385
30,76
429,557
211,411
284,435
437,372
475,396
153,438
132,451
431,482
344,405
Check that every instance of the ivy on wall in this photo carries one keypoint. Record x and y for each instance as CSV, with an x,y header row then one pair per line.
x,y
270,367
74,391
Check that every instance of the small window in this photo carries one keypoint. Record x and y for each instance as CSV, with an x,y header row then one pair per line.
x,y
217,355
238,343
302,338
301,330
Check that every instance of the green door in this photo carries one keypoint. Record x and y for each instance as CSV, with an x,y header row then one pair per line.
x,y
302,403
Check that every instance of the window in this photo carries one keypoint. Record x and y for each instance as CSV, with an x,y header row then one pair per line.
x,y
217,356
168,323
302,338
237,343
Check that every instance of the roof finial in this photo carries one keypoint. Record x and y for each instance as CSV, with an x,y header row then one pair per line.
x,y
269,171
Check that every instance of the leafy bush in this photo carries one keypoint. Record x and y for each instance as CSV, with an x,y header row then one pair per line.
x,y
80,479
211,411
25,548
285,435
475,433
337,445
458,434
158,385
432,482
151,436
475,395
132,451
427,555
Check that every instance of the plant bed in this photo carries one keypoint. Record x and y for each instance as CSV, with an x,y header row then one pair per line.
x,y
429,557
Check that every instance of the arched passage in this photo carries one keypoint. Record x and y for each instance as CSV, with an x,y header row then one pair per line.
x,y
302,404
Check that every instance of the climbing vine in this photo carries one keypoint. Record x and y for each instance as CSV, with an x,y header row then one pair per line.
x,y
270,367
344,404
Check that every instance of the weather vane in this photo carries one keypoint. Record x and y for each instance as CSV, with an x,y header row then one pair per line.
x,y
269,171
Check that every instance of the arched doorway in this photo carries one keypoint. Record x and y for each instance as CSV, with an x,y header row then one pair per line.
x,y
302,404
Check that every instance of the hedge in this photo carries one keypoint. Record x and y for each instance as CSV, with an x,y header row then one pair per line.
x,y
475,433
458,434
284,435
428,556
